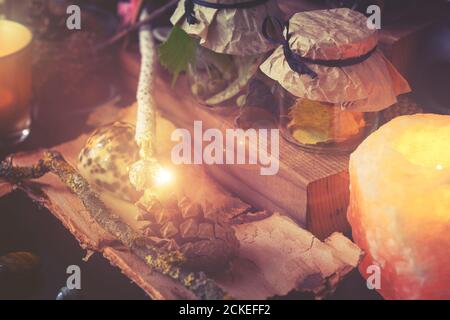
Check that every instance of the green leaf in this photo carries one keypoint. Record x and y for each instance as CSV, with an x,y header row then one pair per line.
x,y
177,52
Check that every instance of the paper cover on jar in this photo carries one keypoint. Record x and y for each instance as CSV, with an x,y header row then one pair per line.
x,y
337,34
230,31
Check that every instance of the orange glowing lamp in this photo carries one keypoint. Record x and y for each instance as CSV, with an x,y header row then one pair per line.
x,y
400,206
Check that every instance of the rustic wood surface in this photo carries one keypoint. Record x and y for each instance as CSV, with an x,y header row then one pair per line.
x,y
300,188
311,188
302,261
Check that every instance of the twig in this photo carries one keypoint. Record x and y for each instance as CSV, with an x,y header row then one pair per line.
x,y
146,111
165,262
17,175
136,26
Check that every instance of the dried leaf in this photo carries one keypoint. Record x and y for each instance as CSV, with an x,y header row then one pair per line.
x,y
314,122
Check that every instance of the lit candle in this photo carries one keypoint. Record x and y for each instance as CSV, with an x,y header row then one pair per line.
x,y
400,206
15,82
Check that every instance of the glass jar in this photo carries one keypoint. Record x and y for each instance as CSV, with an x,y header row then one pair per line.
x,y
219,81
322,127
329,88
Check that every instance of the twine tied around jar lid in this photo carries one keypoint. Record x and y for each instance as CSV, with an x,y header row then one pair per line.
x,y
331,56
298,63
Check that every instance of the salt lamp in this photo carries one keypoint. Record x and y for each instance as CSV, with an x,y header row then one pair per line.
x,y
400,206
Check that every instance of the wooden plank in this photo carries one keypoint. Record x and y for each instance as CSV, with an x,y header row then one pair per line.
x,y
330,212
401,44
288,190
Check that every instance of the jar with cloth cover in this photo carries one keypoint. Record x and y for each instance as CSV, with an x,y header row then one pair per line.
x,y
330,79
230,48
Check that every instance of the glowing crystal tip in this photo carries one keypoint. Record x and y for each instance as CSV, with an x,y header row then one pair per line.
x,y
163,176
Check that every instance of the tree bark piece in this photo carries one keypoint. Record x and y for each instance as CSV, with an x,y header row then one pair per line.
x,y
277,256
165,262
325,265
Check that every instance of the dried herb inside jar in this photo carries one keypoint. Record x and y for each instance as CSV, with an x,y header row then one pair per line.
x,y
313,122
217,78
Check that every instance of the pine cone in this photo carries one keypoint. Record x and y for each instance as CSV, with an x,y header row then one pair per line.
x,y
207,242
174,223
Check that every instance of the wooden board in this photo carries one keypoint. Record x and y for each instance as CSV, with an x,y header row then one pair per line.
x,y
300,188
402,44
310,188
276,256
